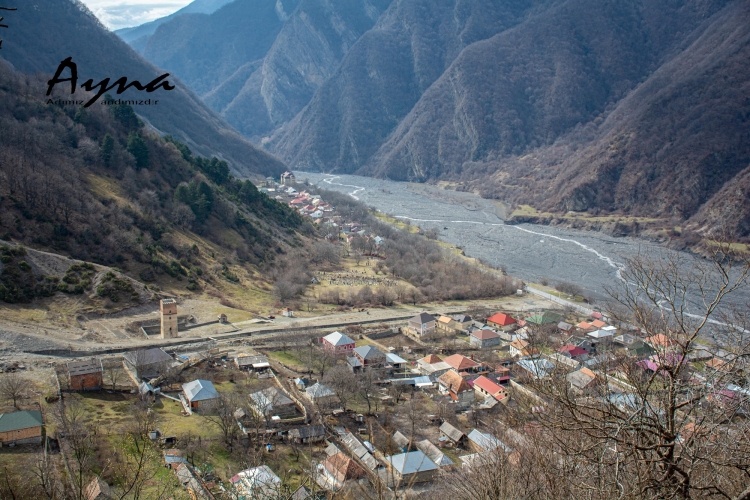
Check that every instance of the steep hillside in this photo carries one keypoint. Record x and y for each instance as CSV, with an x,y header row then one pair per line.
x,y
526,87
204,50
384,75
306,52
95,185
56,29
147,29
535,116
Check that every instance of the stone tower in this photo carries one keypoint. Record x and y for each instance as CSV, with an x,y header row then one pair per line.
x,y
168,318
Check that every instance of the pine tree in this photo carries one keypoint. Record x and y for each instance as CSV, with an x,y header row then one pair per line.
x,y
138,148
106,150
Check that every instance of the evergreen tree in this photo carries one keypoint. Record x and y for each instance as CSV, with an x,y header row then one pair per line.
x,y
106,150
138,148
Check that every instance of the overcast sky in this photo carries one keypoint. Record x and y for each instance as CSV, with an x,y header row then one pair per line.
x,y
116,14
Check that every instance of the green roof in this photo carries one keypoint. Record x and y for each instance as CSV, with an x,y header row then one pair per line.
x,y
547,317
20,420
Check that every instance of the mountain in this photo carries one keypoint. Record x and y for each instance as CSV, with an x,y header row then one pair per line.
x,y
204,50
145,30
56,29
96,185
307,51
632,107
383,76
259,62
666,119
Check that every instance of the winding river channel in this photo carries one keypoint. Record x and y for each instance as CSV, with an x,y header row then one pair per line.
x,y
528,251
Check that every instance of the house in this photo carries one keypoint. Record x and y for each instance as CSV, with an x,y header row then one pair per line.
x,y
271,401
422,324
598,323
358,449
585,326
485,387
442,324
484,338
287,178
452,434
395,361
453,384
338,343
582,381
369,356
603,335
341,468
432,366
520,347
502,374
354,364
173,456
21,427
463,365
564,327
626,339
287,313
85,375
189,480
573,351
98,489
412,467
536,368
307,434
199,393
148,363
481,441
256,363
258,483
545,318
322,396
432,451
660,341
503,322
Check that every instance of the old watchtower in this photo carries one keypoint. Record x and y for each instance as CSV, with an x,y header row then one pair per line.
x,y
168,318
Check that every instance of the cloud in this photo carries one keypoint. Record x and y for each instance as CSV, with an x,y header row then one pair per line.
x,y
116,14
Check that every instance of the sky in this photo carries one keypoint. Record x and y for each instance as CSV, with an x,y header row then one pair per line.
x,y
116,14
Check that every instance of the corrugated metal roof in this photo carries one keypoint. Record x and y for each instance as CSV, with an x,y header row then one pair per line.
x,y
412,462
200,390
338,339
434,453
20,420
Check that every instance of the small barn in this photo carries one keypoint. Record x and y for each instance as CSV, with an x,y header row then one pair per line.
x,y
85,375
21,427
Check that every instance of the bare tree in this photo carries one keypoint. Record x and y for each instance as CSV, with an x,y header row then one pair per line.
x,y
78,435
12,387
222,416
665,433
341,381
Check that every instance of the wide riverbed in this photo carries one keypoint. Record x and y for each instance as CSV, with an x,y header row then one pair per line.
x,y
528,251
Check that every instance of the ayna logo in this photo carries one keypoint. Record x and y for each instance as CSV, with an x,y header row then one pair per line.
x,y
103,86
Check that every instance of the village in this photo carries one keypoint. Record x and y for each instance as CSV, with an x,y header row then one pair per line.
x,y
379,403
334,414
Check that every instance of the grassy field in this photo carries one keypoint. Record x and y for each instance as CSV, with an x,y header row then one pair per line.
x,y
288,358
529,211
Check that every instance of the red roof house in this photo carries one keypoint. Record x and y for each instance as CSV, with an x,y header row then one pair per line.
x,y
572,351
501,320
486,387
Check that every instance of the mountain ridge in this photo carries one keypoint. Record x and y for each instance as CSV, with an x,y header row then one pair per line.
x,y
41,39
